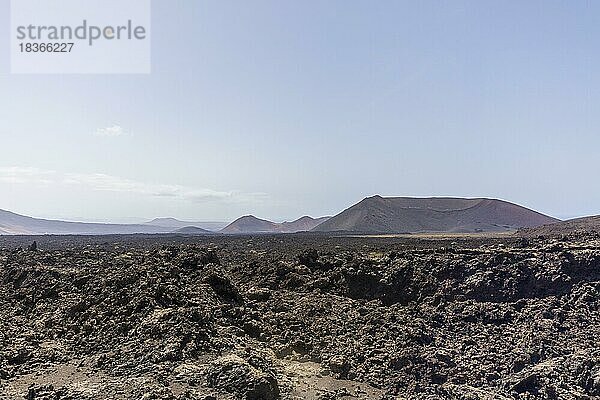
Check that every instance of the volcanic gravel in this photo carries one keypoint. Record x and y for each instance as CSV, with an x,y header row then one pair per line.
x,y
299,316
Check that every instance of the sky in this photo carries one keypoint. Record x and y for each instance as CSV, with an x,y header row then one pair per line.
x,y
289,108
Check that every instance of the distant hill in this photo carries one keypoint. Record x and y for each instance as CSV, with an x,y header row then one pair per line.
x,y
252,224
193,230
249,224
572,226
438,214
372,215
15,224
302,224
174,224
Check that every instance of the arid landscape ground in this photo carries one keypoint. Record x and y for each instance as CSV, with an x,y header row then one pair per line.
x,y
300,317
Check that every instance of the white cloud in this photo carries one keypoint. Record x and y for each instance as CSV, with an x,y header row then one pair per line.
x,y
102,182
18,175
112,131
108,183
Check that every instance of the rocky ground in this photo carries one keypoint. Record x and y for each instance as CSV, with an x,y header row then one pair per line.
x,y
299,317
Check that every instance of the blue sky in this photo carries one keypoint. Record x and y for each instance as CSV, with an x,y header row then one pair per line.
x,y
286,108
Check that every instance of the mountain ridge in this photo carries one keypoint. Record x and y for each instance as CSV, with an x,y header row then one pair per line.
x,y
377,214
590,224
251,224
16,224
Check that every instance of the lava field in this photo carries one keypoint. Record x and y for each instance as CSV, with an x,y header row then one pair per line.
x,y
299,317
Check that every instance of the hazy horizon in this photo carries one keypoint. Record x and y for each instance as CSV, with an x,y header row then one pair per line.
x,y
149,220
285,109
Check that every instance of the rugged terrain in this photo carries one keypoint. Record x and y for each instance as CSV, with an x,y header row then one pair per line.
x,y
299,316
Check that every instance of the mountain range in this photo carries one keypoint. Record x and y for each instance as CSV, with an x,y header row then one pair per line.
x,y
251,224
15,224
373,215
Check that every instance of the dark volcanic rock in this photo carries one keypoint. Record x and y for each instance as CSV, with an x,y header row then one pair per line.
x,y
246,318
241,378
223,287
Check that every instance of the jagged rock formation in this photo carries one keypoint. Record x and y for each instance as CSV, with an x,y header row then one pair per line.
x,y
293,317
